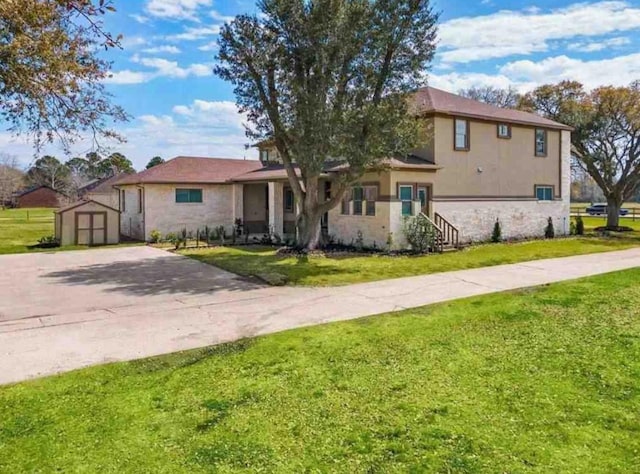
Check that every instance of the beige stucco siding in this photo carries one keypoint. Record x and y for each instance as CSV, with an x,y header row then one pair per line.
x,y
131,220
494,166
110,199
163,213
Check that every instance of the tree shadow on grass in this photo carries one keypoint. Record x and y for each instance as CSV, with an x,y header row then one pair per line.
x,y
154,276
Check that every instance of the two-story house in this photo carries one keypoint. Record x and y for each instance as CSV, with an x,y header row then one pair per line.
x,y
481,163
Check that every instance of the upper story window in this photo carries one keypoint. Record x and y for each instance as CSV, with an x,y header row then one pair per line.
x,y
264,155
188,195
504,130
123,205
544,193
541,142
139,201
289,200
461,135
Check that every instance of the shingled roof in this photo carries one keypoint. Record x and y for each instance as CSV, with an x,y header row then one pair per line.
x,y
429,100
193,170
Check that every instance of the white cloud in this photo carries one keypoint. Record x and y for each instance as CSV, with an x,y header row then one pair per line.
x,y
127,77
525,75
221,18
140,18
507,32
217,114
166,68
162,49
133,41
618,71
591,47
453,82
192,33
176,9
211,46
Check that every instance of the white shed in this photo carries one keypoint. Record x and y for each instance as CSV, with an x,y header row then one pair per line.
x,y
87,223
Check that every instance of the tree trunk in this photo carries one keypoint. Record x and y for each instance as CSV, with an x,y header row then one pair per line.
x,y
308,230
309,216
613,211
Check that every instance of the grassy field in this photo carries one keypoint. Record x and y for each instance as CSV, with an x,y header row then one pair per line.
x,y
20,228
540,380
262,262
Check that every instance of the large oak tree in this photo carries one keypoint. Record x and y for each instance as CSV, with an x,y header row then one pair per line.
x,y
328,80
51,73
606,139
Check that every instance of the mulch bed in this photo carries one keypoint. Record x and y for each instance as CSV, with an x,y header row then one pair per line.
x,y
620,228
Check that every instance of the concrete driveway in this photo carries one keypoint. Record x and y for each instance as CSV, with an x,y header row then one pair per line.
x,y
66,310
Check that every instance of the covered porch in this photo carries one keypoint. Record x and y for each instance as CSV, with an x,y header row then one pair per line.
x,y
267,208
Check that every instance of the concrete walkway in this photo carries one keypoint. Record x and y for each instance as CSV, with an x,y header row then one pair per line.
x,y
129,319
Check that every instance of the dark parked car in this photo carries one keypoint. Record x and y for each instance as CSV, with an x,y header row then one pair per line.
x,y
601,210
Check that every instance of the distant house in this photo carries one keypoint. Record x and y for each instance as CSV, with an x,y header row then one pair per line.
x,y
481,163
102,190
41,196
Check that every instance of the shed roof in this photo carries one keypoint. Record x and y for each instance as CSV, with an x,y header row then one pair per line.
x,y
81,203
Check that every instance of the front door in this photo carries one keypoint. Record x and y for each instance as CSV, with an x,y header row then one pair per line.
x,y
423,196
91,228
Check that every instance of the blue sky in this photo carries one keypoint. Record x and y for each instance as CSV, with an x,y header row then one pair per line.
x,y
163,74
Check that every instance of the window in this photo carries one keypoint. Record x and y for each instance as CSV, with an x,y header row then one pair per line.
x,y
504,130
371,196
541,142
288,200
188,195
406,196
264,155
123,206
346,200
358,197
544,193
139,201
461,138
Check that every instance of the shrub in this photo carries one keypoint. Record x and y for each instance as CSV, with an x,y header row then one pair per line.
x,y
579,226
496,236
572,228
48,241
359,243
390,241
419,233
155,236
549,231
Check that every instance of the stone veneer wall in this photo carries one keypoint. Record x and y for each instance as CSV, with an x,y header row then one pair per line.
x,y
518,219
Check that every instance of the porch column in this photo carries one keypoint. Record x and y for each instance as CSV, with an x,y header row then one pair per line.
x,y
237,202
276,208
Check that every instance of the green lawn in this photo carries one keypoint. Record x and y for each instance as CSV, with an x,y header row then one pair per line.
x,y
540,380
20,228
262,262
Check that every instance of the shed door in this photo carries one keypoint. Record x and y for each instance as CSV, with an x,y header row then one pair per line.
x,y
91,228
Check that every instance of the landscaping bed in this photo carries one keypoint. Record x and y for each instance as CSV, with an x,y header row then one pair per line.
x,y
537,380
325,268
